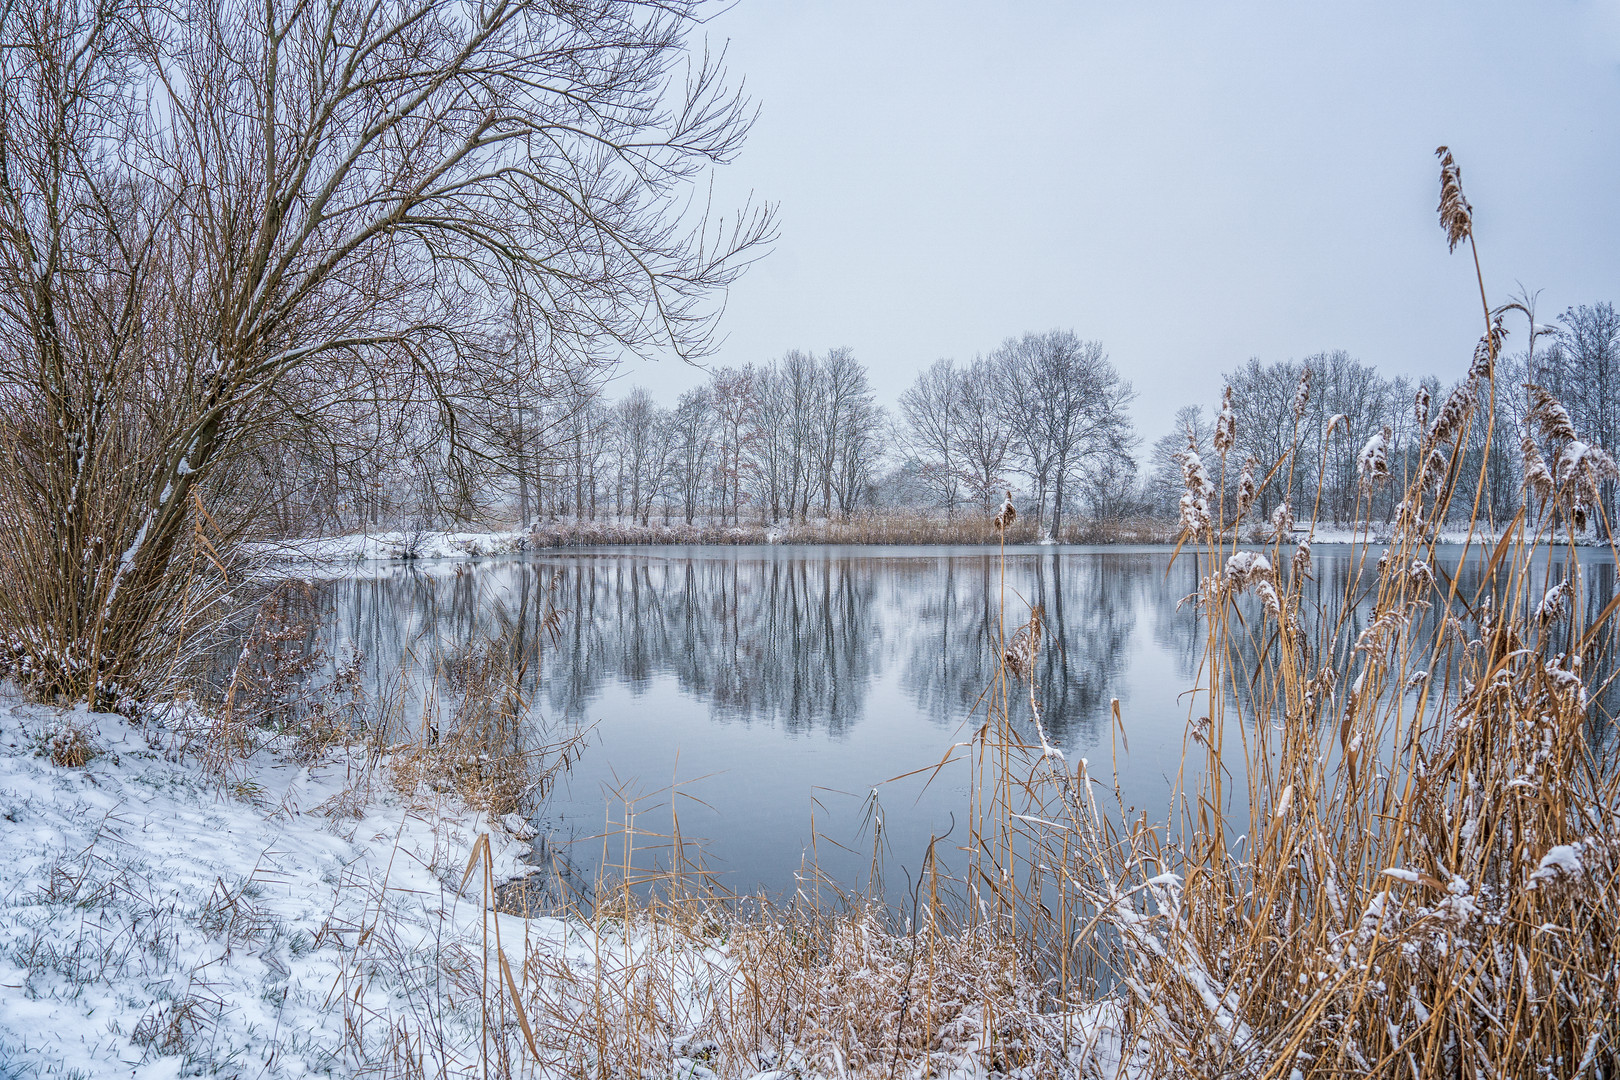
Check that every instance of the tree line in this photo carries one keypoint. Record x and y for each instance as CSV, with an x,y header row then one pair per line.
x,y
1043,415
1341,405
798,436
803,436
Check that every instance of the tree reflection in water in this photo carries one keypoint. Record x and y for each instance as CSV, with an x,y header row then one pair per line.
x,y
798,671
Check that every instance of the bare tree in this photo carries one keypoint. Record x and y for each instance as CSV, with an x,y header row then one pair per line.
x,y
1065,404
199,204
860,422
1019,405
1343,386
844,439
769,437
1263,404
800,388
636,424
692,448
1164,484
1348,401
1583,369
983,432
931,409
734,394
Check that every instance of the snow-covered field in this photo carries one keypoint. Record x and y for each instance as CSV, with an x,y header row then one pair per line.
x,y
158,919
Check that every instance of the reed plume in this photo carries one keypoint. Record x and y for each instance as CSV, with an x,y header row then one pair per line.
x,y
1225,425
1005,516
1456,216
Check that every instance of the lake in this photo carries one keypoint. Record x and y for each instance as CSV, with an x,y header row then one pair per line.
x,y
767,695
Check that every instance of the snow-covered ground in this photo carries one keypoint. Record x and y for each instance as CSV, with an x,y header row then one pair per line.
x,y
154,923
384,546
364,547
1380,533
317,553
158,919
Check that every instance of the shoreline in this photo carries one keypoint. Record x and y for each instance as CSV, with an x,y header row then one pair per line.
x,y
163,917
409,546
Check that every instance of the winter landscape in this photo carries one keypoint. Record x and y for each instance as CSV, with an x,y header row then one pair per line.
x,y
739,542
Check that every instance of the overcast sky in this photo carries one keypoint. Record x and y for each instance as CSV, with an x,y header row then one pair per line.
x,y
1191,184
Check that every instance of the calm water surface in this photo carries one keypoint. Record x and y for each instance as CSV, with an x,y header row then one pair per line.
x,y
765,693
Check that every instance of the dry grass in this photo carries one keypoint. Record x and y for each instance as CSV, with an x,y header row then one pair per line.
x,y
874,527
67,745
487,751
735,992
1395,855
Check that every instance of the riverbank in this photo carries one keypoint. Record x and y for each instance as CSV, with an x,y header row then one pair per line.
x,y
166,913
907,530
161,918
399,545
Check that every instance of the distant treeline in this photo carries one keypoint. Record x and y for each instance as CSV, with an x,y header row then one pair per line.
x,y
1576,359
803,437
1043,415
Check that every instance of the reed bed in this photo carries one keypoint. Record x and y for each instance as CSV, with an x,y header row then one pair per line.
x,y
1395,852
875,527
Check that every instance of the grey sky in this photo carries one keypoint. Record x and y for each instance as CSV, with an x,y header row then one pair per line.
x,y
1192,184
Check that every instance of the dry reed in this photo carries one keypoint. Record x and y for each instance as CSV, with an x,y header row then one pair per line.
x,y
1396,857
877,527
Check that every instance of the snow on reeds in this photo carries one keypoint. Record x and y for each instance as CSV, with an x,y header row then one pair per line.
x,y
1394,853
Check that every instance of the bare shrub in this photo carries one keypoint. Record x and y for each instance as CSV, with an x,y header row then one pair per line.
x,y
491,752
68,745
284,688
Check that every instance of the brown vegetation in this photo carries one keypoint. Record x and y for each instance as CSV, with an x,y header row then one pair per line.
x,y
875,527
1393,857
243,250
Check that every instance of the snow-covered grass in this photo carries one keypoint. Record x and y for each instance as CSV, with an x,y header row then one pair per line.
x,y
161,916
368,547
156,922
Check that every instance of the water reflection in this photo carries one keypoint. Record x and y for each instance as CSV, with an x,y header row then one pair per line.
x,y
796,640
799,674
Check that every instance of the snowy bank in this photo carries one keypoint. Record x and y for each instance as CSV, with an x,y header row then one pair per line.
x,y
153,923
880,529
369,547
280,919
